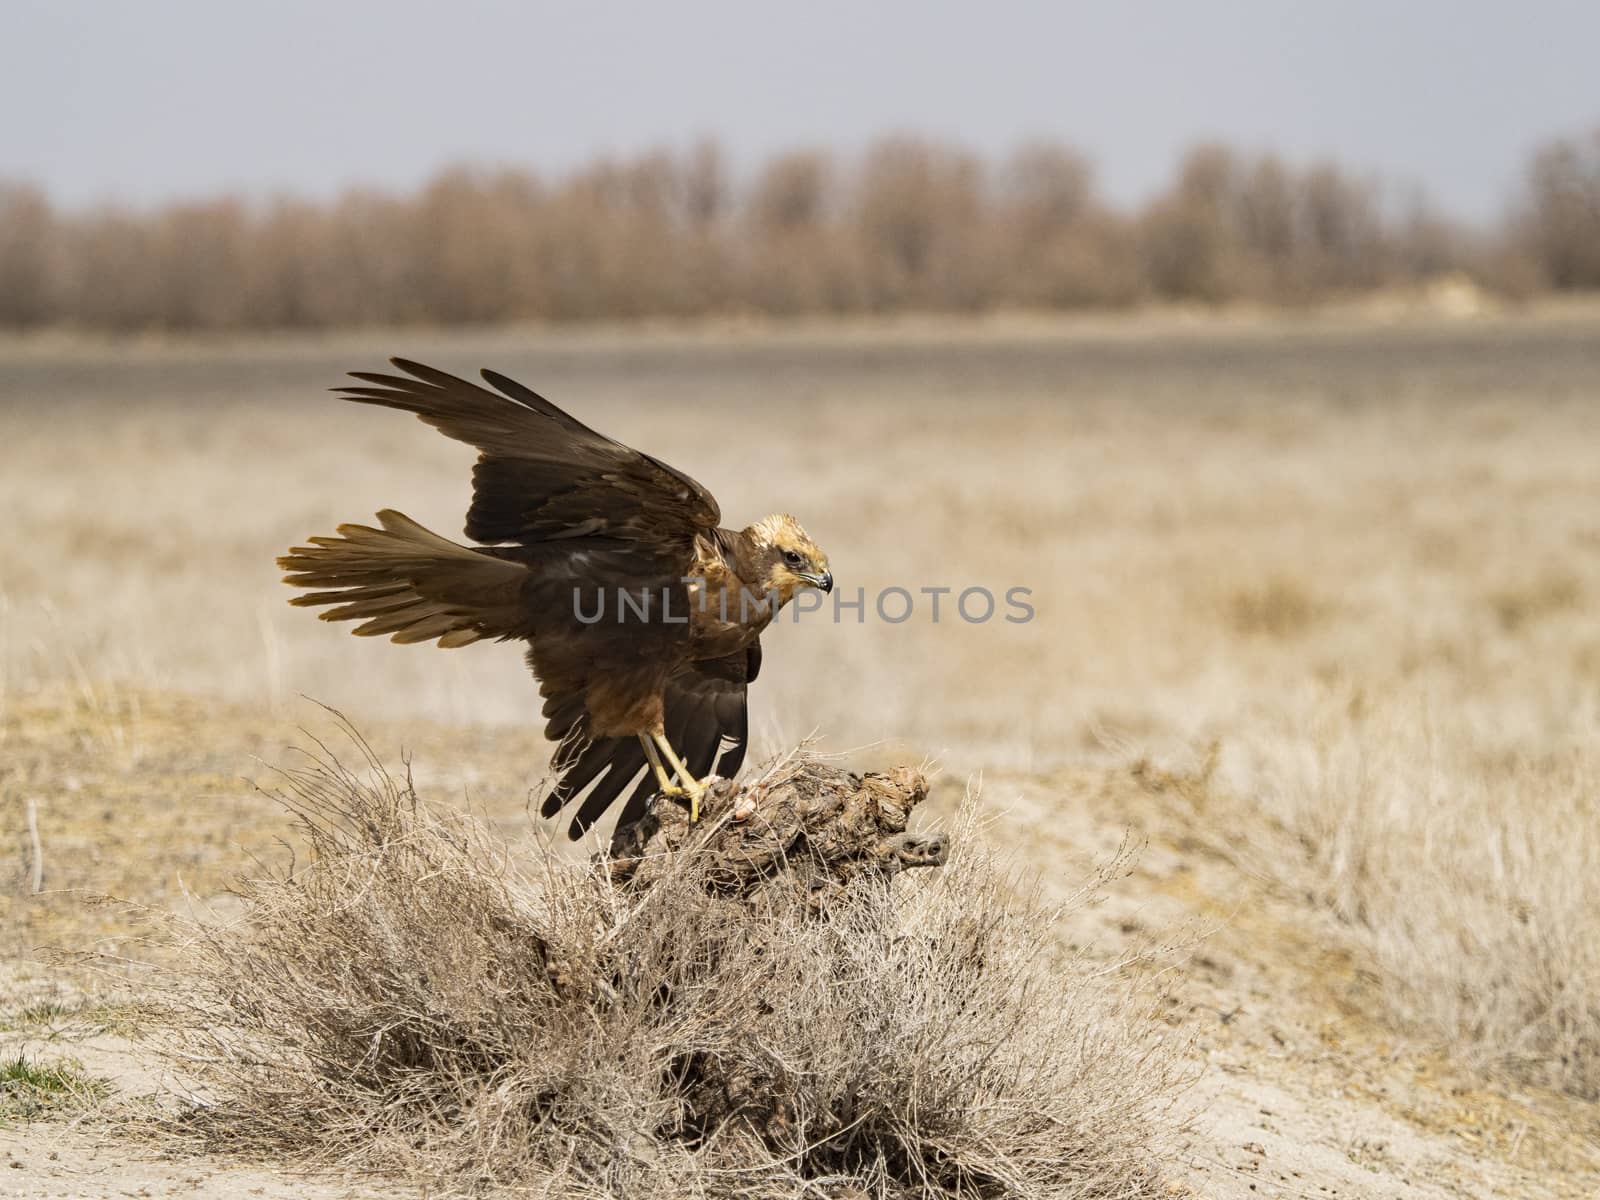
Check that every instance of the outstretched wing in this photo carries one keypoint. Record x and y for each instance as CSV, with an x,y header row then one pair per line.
x,y
578,510
542,475
707,722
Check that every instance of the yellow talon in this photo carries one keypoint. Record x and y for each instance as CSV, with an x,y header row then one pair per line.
x,y
696,789
686,785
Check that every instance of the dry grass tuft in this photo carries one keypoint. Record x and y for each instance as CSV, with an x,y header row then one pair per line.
x,y
1279,608
420,998
1519,605
1482,923
1459,870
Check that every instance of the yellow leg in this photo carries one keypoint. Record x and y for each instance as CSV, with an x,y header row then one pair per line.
x,y
668,788
688,784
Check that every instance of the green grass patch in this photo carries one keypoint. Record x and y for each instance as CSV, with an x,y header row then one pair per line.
x,y
43,1012
30,1090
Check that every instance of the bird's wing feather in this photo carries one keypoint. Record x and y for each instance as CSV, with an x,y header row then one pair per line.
x,y
410,584
707,722
542,475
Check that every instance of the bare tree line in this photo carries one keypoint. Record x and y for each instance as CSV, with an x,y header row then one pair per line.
x,y
912,224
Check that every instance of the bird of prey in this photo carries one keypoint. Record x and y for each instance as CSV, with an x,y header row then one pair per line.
x,y
643,617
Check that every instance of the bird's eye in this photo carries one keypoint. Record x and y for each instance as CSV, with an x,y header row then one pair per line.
x,y
793,559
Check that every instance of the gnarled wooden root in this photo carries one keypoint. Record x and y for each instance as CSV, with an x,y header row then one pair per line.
x,y
806,824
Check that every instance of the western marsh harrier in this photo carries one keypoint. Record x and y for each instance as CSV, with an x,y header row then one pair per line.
x,y
643,617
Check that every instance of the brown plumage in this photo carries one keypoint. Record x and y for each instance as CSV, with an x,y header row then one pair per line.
x,y
573,523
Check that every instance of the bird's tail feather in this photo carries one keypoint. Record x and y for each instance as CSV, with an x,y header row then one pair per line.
x,y
409,583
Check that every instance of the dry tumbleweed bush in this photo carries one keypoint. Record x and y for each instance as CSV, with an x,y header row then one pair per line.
x,y
419,998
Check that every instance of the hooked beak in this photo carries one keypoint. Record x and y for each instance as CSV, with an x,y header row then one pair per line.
x,y
823,581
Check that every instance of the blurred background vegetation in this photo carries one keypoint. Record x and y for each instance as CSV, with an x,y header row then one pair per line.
x,y
911,224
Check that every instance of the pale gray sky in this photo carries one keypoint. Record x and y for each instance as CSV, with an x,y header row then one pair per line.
x,y
142,101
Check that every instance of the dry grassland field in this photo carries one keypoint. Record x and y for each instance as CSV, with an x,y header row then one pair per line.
x,y
1314,649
